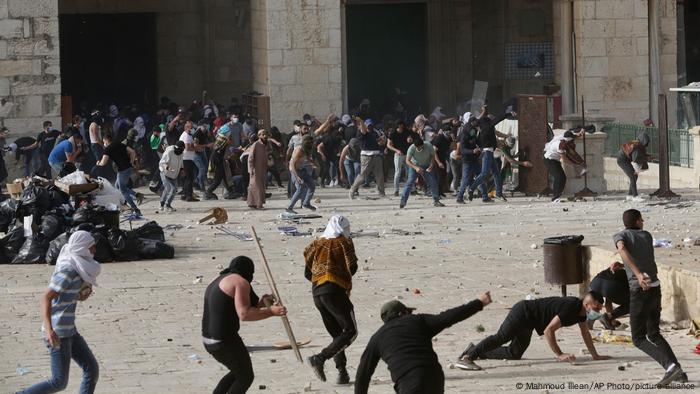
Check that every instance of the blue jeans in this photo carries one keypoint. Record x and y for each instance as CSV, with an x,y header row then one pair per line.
x,y
76,348
200,160
428,176
399,166
31,162
469,169
169,189
97,151
123,186
305,190
488,166
352,169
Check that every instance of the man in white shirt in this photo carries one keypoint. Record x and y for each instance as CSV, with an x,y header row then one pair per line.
x,y
188,163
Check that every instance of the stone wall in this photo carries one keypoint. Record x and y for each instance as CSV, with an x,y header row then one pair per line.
x,y
30,79
297,57
612,63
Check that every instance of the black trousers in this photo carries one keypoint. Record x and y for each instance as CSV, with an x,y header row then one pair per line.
x,y
626,165
512,330
614,291
338,316
234,355
557,177
421,380
188,181
219,172
645,314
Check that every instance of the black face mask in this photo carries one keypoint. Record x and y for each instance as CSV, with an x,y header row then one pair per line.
x,y
243,266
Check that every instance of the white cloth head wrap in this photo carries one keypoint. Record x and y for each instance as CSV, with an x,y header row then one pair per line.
x,y
338,225
76,254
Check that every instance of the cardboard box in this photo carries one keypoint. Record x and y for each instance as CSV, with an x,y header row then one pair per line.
x,y
76,189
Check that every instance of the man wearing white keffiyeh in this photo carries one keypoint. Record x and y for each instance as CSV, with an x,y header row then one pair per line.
x,y
75,274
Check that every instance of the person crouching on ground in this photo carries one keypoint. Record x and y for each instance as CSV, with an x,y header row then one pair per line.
x,y
75,273
330,264
227,300
405,343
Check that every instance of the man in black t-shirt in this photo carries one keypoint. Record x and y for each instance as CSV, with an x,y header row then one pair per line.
x,y
45,142
399,141
328,149
545,316
122,156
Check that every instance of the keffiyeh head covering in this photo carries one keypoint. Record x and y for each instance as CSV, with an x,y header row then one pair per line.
x,y
140,127
76,255
465,118
338,225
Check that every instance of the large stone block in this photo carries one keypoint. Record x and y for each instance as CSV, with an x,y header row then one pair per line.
x,y
621,46
598,28
46,25
641,8
627,66
11,28
642,46
10,68
334,38
587,9
37,86
3,49
3,9
32,8
313,37
603,9
595,66
298,56
4,86
622,9
335,74
275,57
313,74
28,106
592,47
329,56
279,39
282,75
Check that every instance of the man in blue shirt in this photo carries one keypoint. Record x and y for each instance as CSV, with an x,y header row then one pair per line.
x,y
66,150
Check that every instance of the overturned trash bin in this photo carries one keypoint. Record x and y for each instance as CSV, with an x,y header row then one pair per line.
x,y
563,261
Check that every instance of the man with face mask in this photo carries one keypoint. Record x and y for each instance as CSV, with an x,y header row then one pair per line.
x,y
545,316
170,165
371,160
227,300
233,130
257,168
468,152
301,168
188,163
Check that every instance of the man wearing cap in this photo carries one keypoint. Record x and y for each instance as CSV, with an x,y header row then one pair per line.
x,y
404,342
371,161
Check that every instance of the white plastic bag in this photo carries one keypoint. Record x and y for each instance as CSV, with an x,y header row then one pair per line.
x,y
74,178
107,195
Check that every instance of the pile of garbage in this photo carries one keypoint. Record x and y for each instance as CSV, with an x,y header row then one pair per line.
x,y
38,223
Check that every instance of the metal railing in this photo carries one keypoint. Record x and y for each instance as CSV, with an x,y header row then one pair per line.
x,y
680,143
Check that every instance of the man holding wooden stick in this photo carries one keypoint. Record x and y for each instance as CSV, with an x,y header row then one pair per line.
x,y
330,264
228,299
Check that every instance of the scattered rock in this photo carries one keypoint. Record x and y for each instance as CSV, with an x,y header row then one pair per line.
x,y
533,246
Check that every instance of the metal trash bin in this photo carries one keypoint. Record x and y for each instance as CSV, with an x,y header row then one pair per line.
x,y
563,260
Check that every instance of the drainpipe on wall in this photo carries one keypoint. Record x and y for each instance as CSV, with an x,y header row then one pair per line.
x,y
565,57
654,67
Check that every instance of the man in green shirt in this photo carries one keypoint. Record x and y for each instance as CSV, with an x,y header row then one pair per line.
x,y
420,159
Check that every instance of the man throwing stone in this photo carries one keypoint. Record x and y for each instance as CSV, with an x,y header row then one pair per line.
x,y
404,342
421,160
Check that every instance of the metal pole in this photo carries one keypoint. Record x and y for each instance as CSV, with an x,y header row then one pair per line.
x,y
585,192
664,175
273,286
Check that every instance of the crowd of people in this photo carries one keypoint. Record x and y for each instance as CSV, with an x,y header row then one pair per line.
x,y
403,342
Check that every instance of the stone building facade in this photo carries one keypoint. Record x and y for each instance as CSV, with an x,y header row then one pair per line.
x,y
295,52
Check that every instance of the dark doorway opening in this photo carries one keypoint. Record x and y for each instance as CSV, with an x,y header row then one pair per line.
x,y
692,40
108,58
386,52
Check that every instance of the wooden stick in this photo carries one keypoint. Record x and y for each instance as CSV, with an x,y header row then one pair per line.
x,y
273,286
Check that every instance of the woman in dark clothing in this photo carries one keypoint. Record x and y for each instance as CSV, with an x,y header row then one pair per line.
x,y
228,299
632,159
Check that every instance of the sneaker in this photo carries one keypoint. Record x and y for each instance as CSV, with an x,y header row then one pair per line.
x,y
470,194
682,379
556,200
487,200
192,199
466,364
351,195
606,321
402,204
309,207
629,198
637,199
670,376
210,196
316,363
438,204
460,201
396,193
162,206
502,197
290,210
268,195
139,198
170,209
414,192
343,376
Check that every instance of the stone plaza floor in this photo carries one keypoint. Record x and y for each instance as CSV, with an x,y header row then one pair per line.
x,y
143,321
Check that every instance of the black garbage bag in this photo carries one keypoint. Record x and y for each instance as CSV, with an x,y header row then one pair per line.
x,y
55,248
88,214
34,200
123,247
564,240
104,252
11,243
150,230
33,250
149,249
52,225
67,169
7,214
57,197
